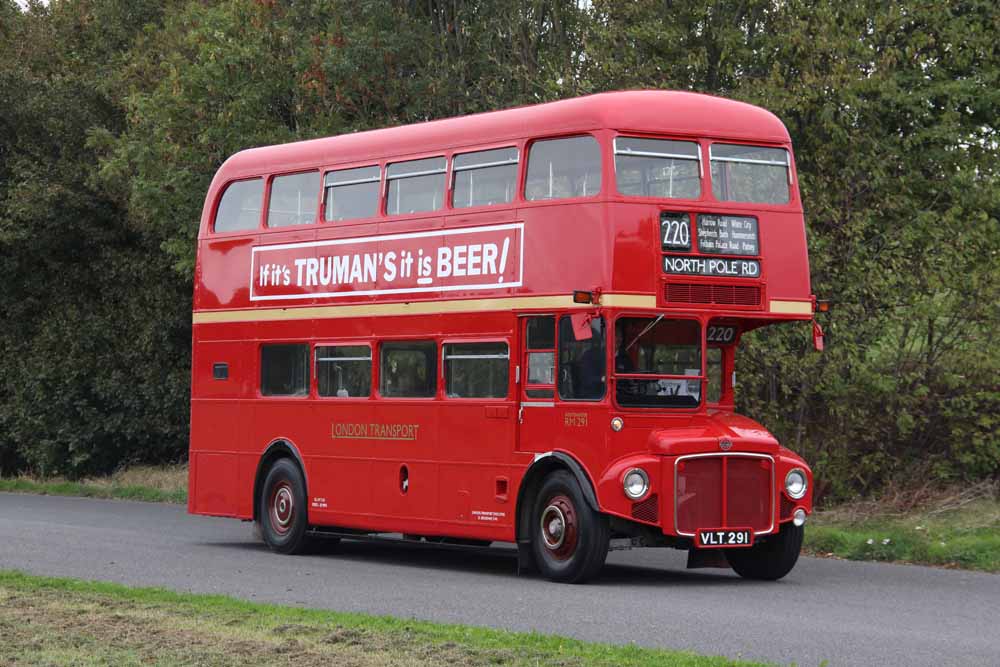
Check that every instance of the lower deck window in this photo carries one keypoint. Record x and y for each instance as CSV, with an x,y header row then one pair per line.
x,y
344,371
284,369
540,332
408,369
476,370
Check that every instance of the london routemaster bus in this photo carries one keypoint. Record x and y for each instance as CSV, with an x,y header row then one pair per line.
x,y
514,326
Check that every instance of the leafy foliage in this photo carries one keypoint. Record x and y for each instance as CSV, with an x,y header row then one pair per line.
x,y
118,113
95,340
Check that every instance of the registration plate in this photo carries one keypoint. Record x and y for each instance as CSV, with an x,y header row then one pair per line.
x,y
720,538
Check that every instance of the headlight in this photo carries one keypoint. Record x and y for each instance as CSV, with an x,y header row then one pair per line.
x,y
795,483
636,483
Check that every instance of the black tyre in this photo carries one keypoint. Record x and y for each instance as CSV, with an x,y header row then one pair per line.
x,y
770,559
281,514
568,539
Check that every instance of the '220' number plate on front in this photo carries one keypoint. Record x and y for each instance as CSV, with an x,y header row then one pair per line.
x,y
720,538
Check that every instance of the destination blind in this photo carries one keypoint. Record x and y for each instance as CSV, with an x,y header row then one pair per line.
x,y
728,235
711,266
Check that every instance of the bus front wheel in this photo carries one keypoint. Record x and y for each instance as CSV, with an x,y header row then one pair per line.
x,y
569,539
771,559
281,515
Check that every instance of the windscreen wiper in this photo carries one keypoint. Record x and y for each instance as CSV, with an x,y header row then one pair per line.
x,y
642,333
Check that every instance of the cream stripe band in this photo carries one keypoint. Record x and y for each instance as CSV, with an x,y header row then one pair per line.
x,y
792,307
417,308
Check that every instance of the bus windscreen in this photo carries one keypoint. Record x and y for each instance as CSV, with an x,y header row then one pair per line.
x,y
666,349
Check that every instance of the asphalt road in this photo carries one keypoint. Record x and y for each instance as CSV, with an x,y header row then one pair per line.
x,y
841,612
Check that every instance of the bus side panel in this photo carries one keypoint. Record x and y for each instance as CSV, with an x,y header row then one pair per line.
x,y
339,466
216,490
787,263
215,407
476,444
586,244
402,445
223,273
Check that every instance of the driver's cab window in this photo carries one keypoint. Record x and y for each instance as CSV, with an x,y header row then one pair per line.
x,y
582,367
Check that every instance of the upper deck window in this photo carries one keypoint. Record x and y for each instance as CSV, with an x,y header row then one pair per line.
x,y
657,168
240,206
752,174
563,168
293,200
352,193
416,185
484,177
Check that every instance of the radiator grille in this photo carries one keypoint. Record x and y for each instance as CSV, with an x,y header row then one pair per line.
x,y
731,295
647,510
724,491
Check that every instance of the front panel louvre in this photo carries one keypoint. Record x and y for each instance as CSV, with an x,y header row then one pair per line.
x,y
647,510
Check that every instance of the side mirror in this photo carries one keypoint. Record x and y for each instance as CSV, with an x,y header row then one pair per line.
x,y
817,336
581,325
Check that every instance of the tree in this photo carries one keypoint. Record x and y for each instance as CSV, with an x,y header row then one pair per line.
x,y
93,342
892,109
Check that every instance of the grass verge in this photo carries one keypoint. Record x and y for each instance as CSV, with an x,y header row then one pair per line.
x,y
70,622
157,484
949,529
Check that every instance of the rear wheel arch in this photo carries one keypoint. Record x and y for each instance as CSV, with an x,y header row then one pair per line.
x,y
280,448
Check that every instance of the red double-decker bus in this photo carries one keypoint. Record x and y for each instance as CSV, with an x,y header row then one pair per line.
x,y
515,326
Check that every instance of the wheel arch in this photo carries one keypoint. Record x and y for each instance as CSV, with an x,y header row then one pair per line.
x,y
532,481
279,448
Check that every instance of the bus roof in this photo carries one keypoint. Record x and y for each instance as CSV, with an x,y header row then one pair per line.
x,y
651,111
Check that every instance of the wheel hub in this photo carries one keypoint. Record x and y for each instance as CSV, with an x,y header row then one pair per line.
x,y
282,508
558,526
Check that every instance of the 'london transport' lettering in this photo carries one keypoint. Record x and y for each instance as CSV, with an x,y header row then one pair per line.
x,y
375,431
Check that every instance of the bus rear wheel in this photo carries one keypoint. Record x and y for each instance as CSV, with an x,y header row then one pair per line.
x,y
569,539
771,559
281,514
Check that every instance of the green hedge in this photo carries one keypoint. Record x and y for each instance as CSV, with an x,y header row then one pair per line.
x,y
117,114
